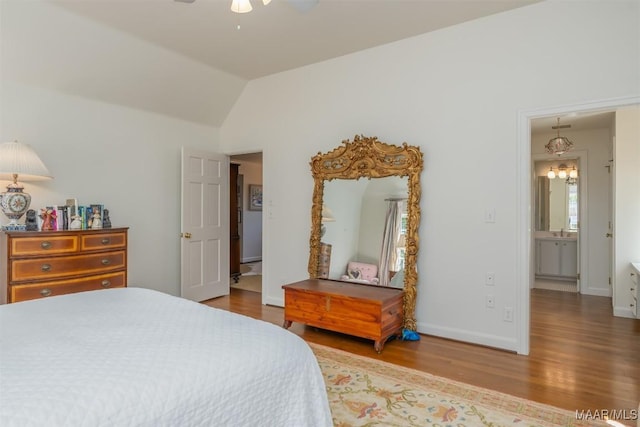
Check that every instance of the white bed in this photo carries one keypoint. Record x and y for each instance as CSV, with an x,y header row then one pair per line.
x,y
136,357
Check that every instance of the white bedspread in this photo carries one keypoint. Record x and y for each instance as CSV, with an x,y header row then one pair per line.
x,y
136,357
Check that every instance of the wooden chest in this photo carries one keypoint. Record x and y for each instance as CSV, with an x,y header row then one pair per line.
x,y
39,264
365,311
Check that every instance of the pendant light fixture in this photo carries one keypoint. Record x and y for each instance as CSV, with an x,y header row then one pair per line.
x,y
559,144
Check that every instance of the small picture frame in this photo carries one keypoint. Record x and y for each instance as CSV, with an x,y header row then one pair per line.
x,y
255,197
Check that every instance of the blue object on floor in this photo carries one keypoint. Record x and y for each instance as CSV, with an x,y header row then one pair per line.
x,y
408,335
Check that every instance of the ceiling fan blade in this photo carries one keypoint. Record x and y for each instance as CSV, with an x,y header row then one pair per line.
x,y
303,5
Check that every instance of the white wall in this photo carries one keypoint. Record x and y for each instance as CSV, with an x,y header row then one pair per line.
x,y
627,204
98,152
595,146
456,93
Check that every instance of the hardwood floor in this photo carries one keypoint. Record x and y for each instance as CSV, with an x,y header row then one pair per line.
x,y
581,356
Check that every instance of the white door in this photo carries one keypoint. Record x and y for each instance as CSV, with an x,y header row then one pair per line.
x,y
205,225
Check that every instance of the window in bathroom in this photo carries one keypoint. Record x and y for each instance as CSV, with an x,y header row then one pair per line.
x,y
572,190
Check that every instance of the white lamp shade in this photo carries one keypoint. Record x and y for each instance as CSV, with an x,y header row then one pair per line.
x,y
551,174
573,173
562,174
241,6
21,159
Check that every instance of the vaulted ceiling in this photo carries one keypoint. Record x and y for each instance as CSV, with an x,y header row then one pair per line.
x,y
190,61
279,36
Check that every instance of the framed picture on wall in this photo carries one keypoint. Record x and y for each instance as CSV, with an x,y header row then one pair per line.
x,y
255,197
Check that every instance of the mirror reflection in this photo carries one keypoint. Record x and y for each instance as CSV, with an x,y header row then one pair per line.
x,y
366,229
556,207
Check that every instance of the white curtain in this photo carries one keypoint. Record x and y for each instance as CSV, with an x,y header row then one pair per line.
x,y
392,231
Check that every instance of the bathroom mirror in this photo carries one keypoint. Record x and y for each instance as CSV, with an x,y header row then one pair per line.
x,y
556,199
352,164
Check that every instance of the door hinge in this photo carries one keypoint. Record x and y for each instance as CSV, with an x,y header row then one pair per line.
x,y
578,276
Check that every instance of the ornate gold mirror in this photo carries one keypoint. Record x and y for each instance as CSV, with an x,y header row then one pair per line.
x,y
367,157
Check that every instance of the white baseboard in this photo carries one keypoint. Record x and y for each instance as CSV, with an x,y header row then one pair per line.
x,y
598,292
468,336
268,300
623,312
250,259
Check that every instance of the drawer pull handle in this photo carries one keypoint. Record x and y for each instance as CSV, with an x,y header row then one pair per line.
x,y
105,241
106,261
105,284
45,245
45,292
46,267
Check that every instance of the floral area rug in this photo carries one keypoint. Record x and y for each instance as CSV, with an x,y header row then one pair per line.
x,y
367,392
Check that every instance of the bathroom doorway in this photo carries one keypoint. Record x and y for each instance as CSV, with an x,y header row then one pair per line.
x,y
557,215
528,122
571,203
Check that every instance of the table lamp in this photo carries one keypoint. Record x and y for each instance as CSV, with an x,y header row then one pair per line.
x,y
18,160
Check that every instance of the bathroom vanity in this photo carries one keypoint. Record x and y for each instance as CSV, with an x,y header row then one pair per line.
x,y
557,257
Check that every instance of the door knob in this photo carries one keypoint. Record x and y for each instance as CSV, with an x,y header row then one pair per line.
x,y
609,235
185,235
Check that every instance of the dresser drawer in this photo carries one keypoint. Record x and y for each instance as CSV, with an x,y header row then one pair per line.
x,y
57,267
61,287
43,245
92,242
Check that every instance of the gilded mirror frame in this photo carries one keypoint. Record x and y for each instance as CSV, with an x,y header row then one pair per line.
x,y
367,157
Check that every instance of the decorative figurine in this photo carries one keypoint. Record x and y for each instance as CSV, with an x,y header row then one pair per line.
x,y
48,216
31,221
106,221
76,223
96,221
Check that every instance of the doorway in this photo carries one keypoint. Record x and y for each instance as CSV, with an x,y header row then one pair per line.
x,y
559,213
569,231
248,217
525,247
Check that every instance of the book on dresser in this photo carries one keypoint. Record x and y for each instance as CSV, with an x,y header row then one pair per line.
x,y
39,264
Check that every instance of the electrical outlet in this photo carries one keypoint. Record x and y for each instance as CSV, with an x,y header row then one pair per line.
x,y
490,278
490,301
508,314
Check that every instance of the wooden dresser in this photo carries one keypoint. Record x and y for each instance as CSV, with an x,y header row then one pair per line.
x,y
365,311
38,264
